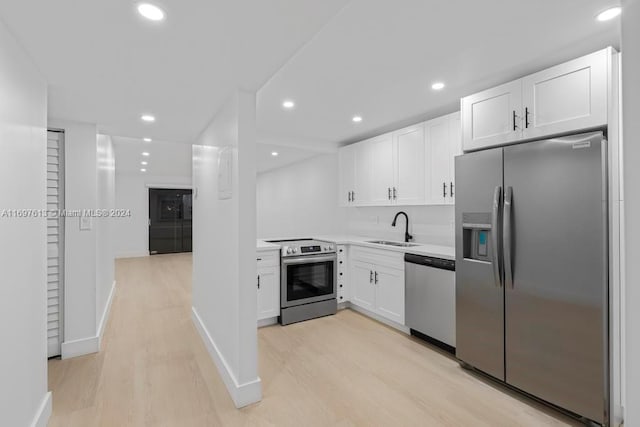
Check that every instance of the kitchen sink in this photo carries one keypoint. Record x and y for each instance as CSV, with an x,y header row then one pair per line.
x,y
387,243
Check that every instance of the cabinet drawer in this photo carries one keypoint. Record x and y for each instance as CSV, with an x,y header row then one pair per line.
x,y
268,259
391,259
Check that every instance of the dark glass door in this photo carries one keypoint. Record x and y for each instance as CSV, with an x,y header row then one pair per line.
x,y
309,281
169,221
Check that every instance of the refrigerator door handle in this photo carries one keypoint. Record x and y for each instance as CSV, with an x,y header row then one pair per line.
x,y
506,230
497,193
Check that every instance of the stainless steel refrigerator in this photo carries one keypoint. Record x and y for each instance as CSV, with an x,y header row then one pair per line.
x,y
532,269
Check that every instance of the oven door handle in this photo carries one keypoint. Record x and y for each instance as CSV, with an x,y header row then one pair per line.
x,y
308,259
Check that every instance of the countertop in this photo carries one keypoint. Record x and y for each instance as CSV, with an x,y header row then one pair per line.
x,y
444,252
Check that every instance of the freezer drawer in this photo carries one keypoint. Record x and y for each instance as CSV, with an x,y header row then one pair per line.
x,y
430,306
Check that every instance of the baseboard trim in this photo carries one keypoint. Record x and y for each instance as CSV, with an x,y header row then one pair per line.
x,y
139,254
105,315
80,347
241,394
267,322
41,418
380,319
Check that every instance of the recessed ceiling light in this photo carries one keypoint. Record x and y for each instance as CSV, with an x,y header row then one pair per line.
x,y
144,153
143,170
357,119
148,118
608,14
288,104
274,153
147,139
151,11
144,163
437,86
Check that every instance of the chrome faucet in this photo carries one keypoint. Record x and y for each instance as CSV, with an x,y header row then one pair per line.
x,y
407,236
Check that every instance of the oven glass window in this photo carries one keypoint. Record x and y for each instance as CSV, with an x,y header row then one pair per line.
x,y
309,280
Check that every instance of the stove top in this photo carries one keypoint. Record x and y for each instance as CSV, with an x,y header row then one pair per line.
x,y
303,247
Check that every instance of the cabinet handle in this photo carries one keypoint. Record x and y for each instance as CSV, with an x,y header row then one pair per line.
x,y
370,276
395,196
353,196
389,193
340,285
376,280
258,281
444,189
451,189
526,117
515,126
348,196
259,259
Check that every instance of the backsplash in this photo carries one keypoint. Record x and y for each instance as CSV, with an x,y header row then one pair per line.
x,y
428,224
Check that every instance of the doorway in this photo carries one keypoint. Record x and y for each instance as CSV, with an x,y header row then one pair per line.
x,y
170,220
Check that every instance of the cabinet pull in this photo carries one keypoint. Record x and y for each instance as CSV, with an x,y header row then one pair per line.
x,y
451,189
340,285
389,193
395,195
259,259
258,281
515,126
353,196
444,189
348,196
370,276
526,117
376,280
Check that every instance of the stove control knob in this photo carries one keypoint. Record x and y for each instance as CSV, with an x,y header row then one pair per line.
x,y
289,251
295,250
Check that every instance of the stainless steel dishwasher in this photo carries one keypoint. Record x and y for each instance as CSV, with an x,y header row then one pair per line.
x,y
430,299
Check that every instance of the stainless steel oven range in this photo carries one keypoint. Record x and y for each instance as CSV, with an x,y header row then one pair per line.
x,y
308,280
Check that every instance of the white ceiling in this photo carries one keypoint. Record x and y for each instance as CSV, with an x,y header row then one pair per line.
x,y
335,58
378,59
165,158
107,65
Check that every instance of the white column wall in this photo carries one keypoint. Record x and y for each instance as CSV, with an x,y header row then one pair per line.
x,y
224,264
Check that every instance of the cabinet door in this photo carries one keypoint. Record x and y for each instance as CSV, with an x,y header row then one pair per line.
x,y
361,283
568,97
381,170
389,284
437,142
492,117
409,167
455,149
347,174
268,292
363,174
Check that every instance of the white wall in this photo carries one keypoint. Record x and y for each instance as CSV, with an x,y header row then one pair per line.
x,y
24,399
105,268
224,264
301,199
80,298
131,234
89,184
631,203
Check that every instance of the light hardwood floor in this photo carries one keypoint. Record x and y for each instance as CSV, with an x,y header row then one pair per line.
x,y
342,370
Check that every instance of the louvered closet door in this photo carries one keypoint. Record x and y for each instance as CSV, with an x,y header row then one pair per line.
x,y
55,246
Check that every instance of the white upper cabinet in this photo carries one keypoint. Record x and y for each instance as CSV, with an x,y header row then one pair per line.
x,y
443,143
492,117
409,166
381,190
363,173
347,178
569,97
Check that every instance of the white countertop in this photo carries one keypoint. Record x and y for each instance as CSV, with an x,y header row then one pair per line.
x,y
445,252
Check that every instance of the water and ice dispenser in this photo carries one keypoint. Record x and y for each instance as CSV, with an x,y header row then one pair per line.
x,y
476,240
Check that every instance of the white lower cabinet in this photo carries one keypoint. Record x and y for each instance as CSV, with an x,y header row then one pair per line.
x,y
377,282
268,285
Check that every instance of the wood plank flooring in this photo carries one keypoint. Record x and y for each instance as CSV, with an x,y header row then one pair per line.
x,y
342,370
